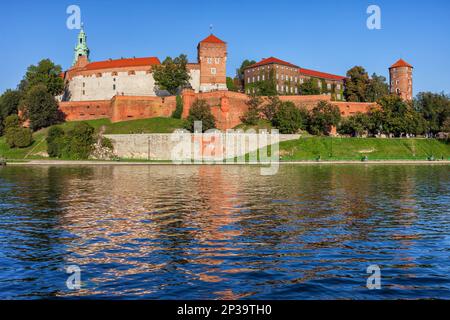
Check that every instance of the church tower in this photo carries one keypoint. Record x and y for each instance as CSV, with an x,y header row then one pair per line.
x,y
401,79
212,57
81,50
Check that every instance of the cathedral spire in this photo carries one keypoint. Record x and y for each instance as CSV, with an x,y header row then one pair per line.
x,y
81,49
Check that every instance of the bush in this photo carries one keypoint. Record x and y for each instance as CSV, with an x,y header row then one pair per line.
x,y
18,137
200,111
55,142
11,121
178,112
289,119
78,142
270,109
355,125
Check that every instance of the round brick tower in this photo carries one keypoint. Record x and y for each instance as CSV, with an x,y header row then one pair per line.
x,y
401,79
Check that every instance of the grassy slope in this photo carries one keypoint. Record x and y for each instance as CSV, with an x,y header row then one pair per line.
x,y
356,148
39,146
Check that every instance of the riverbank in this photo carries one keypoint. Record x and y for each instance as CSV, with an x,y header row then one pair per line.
x,y
168,163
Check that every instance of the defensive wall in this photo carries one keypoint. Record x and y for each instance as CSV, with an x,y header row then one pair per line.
x,y
226,106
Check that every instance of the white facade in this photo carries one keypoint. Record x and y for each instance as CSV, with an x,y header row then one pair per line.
x,y
208,87
106,85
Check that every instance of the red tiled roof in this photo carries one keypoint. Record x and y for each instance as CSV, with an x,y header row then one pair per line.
x,y
123,63
212,39
401,63
319,74
272,60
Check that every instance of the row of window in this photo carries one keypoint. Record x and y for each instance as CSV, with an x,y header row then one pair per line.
x,y
268,67
293,79
211,60
115,73
287,89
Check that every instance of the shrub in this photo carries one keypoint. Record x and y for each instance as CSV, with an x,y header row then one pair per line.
x,y
18,137
78,142
200,111
11,121
107,143
55,141
270,109
178,112
289,119
355,125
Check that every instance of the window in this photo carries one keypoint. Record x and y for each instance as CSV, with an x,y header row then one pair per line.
x,y
84,92
114,73
258,78
329,86
282,77
248,80
263,78
131,73
278,88
253,80
338,87
114,87
84,84
209,60
296,90
296,79
301,80
338,96
277,76
213,71
217,60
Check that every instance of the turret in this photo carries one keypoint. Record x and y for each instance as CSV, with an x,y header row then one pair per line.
x,y
401,79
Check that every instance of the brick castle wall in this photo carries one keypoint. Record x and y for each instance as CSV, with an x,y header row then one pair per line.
x,y
226,106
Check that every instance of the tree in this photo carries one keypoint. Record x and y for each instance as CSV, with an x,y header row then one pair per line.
x,y
309,87
9,103
270,109
289,119
355,125
55,142
15,135
399,117
172,75
231,85
323,117
253,113
178,112
41,108
45,73
376,88
434,108
78,142
356,85
200,111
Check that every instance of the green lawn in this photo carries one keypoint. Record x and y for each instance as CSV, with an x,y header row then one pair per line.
x,y
39,147
311,148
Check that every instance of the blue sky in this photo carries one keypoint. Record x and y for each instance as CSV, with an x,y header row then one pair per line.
x,y
326,35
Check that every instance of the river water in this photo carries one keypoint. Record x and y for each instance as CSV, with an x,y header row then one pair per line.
x,y
225,232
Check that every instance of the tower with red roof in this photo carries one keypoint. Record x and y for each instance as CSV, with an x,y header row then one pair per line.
x,y
212,57
401,79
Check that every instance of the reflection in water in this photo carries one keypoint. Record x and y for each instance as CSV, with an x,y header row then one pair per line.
x,y
225,232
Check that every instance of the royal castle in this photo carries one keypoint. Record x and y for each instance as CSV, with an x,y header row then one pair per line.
x,y
125,89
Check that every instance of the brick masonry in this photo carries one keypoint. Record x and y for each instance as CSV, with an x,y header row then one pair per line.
x,y
226,106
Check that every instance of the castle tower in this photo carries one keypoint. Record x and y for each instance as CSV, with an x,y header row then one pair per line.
x,y
212,57
81,50
401,79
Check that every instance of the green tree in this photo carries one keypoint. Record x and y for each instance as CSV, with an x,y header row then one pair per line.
x,y
231,85
253,113
15,135
172,75
323,117
356,85
11,121
355,125
178,112
309,87
79,142
200,111
435,109
289,119
44,73
55,142
41,108
399,117
270,108
9,103
376,88
267,87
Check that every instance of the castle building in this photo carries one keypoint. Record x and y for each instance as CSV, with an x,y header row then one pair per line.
x,y
401,79
103,80
288,78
